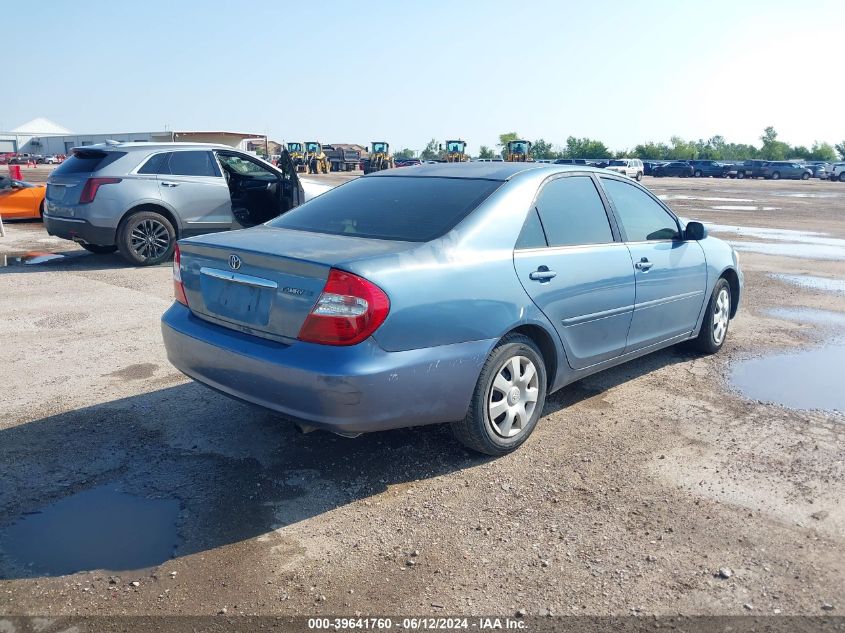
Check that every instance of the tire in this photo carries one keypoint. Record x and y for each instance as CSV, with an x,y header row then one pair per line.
x,y
697,173
842,177
714,327
805,176
740,175
639,176
775,175
485,428
132,242
41,210
98,249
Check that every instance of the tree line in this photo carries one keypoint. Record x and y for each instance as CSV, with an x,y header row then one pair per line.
x,y
714,148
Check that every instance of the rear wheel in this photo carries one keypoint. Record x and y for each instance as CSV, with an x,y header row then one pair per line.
x,y
805,176
775,175
639,176
714,327
697,173
146,238
98,249
842,177
508,399
740,175
41,210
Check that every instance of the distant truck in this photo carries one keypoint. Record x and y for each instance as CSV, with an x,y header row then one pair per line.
x,y
707,168
342,159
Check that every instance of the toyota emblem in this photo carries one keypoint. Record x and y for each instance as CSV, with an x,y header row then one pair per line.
x,y
234,262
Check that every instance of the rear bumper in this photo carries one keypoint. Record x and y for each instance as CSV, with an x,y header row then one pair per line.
x,y
78,230
353,389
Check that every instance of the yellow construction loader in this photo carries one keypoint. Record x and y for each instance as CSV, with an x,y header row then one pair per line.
x,y
518,151
380,157
315,158
297,156
455,151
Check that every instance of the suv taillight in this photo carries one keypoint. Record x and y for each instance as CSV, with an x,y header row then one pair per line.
x,y
178,286
89,191
348,311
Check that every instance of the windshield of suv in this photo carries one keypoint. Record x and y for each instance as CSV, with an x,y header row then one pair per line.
x,y
398,208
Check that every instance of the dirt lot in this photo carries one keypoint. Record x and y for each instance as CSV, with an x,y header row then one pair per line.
x,y
639,485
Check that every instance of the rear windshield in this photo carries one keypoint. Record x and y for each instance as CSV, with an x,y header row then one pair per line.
x,y
408,209
85,162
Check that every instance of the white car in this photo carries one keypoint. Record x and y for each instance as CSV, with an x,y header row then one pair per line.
x,y
837,172
631,167
52,160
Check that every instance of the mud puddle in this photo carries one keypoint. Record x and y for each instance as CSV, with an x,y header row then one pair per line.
x,y
784,242
99,528
809,378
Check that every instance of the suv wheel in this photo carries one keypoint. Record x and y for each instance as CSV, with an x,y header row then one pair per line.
x,y
775,175
508,399
639,176
740,175
842,177
146,238
805,176
697,173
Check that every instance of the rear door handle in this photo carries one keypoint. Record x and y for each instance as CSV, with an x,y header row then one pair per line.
x,y
643,265
542,274
167,183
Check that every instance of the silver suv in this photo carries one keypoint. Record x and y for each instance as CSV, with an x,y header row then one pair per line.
x,y
139,198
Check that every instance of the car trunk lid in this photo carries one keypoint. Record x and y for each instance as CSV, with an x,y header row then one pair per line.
x,y
265,280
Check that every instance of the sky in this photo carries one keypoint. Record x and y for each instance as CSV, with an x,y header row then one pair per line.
x,y
337,71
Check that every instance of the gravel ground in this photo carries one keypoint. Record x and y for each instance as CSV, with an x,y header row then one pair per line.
x,y
638,486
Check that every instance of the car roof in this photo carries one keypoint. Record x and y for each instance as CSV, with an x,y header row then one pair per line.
x,y
486,171
108,147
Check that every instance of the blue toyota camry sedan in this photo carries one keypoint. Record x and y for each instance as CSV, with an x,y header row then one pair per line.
x,y
459,293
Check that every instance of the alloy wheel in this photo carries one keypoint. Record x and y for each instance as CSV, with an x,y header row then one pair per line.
x,y
149,239
513,396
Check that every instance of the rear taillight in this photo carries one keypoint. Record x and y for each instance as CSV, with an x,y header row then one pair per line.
x,y
348,311
89,191
178,286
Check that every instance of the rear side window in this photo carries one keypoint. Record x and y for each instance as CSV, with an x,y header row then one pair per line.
x,y
532,235
572,212
403,208
84,162
642,218
181,164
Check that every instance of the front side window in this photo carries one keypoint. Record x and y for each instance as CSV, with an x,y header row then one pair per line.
x,y
572,212
642,218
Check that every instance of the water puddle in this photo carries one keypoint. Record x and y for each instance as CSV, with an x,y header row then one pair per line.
x,y
825,318
34,258
99,528
784,242
806,379
672,196
792,194
734,207
814,283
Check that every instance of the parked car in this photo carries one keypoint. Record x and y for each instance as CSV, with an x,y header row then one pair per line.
x,y
650,165
775,170
837,172
351,311
751,169
139,198
678,168
407,162
53,159
571,161
21,200
819,170
631,167
708,168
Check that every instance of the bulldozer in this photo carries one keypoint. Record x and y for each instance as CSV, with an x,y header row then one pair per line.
x,y
455,151
380,157
296,151
315,158
518,151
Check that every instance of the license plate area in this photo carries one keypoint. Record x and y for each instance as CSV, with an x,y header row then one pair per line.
x,y
239,298
56,193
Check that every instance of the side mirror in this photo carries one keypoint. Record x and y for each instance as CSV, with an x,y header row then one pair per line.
x,y
695,231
